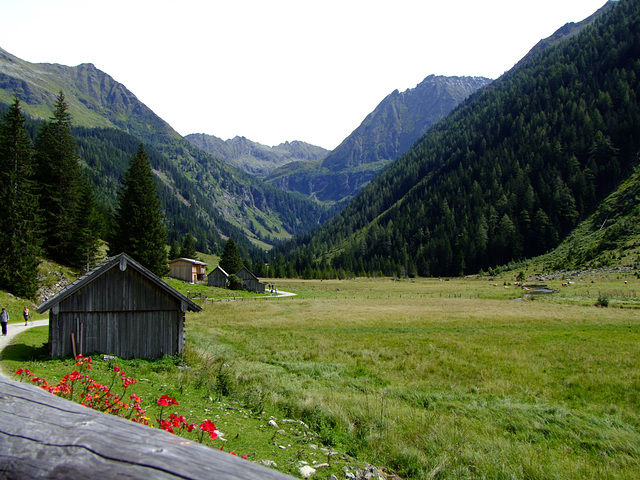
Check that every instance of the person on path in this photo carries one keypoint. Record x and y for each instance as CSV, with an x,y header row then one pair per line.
x,y
4,320
25,314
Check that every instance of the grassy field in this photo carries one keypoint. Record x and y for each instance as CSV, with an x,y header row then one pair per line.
x,y
426,378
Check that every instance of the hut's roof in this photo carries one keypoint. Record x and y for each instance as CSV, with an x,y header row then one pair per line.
x,y
123,261
188,260
248,271
221,269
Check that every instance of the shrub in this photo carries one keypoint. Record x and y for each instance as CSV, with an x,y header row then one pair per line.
x,y
235,282
603,300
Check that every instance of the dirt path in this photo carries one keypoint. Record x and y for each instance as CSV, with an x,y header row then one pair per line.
x,y
14,329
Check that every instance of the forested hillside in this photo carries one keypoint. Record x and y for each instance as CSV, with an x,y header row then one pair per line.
x,y
201,194
508,174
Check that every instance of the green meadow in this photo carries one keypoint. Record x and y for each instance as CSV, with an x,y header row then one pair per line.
x,y
422,378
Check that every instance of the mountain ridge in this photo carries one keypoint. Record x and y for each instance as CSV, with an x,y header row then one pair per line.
x,y
399,120
253,157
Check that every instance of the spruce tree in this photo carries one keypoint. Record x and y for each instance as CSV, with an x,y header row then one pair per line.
x,y
19,223
89,226
230,261
139,229
188,249
174,250
60,182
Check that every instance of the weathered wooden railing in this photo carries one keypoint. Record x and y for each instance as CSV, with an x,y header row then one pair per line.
x,y
46,437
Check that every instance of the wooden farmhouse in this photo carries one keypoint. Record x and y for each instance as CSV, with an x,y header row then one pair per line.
x,y
119,308
188,270
218,278
251,282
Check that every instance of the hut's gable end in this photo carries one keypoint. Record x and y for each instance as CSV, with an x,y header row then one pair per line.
x,y
251,282
218,278
118,291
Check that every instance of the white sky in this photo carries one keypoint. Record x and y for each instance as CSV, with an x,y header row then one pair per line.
x,y
277,70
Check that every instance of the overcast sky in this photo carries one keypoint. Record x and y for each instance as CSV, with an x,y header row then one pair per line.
x,y
278,70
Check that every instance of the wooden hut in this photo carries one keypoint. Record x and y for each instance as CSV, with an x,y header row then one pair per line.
x,y
119,308
251,282
188,270
218,278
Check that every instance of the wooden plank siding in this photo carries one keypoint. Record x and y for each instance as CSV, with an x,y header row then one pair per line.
x,y
47,437
124,334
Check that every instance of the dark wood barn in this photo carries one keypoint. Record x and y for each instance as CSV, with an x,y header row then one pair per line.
x,y
218,278
251,282
119,308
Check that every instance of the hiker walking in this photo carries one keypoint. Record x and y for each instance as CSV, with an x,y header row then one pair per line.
x,y
25,314
4,319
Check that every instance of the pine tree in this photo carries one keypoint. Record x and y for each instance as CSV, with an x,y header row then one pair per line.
x,y
88,228
60,182
139,229
174,250
19,223
230,260
188,249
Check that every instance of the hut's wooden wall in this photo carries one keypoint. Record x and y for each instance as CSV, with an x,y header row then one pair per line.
x,y
119,313
182,270
124,334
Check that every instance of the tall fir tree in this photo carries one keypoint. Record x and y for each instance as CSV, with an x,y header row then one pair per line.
x,y
174,250
89,227
60,181
188,249
19,220
139,229
230,260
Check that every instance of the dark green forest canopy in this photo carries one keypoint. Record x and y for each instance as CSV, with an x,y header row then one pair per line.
x,y
508,174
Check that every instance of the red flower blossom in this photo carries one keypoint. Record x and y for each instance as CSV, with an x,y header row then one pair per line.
x,y
126,381
209,426
166,400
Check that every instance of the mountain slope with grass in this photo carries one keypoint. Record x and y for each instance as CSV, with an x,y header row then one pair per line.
x,y
609,237
217,199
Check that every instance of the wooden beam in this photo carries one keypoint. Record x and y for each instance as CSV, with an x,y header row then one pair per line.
x,y
44,436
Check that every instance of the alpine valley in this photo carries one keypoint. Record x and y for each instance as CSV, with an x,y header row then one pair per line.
x,y
456,175
211,188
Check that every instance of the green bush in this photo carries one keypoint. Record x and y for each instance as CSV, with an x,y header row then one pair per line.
x,y
235,282
603,300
